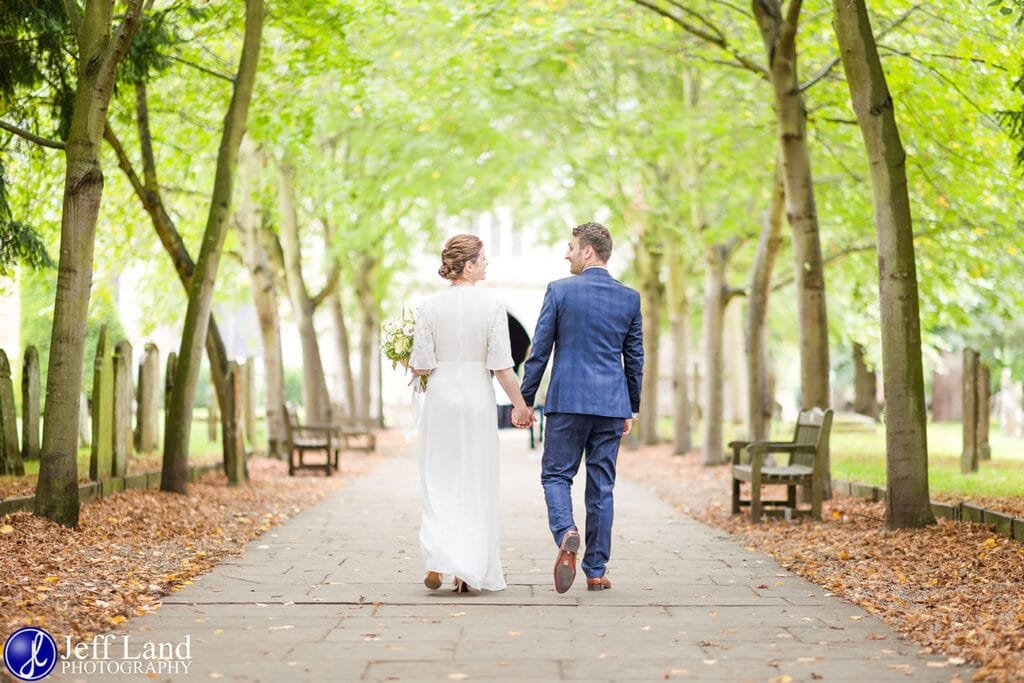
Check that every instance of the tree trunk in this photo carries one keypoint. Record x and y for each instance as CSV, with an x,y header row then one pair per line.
x,y
368,322
760,400
314,382
679,313
779,35
907,503
715,259
197,316
344,351
99,53
148,191
264,294
865,383
652,296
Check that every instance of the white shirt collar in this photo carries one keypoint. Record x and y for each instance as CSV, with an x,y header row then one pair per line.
x,y
595,265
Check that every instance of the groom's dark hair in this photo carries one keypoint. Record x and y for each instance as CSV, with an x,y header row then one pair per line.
x,y
596,236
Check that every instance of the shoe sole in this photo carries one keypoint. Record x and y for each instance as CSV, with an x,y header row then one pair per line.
x,y
565,572
432,581
598,587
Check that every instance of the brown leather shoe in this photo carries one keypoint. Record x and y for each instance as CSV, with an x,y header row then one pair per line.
x,y
432,580
565,562
601,583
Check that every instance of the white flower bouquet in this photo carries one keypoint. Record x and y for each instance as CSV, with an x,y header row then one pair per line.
x,y
397,342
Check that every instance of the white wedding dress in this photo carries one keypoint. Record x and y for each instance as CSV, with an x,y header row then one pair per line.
x,y
461,334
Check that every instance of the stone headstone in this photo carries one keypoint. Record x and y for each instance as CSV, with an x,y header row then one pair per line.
x,y
122,443
10,454
147,414
1010,405
946,402
984,392
84,423
234,463
102,410
30,404
249,401
212,416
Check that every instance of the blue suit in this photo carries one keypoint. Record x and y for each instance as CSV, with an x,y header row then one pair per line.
x,y
592,323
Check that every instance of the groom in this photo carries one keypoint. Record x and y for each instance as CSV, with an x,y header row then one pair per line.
x,y
593,323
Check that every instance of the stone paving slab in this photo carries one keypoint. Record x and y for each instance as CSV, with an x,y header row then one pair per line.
x,y
336,594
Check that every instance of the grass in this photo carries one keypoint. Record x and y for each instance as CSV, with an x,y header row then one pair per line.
x,y
201,451
858,454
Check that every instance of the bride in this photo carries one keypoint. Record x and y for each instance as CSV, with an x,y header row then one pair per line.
x,y
461,334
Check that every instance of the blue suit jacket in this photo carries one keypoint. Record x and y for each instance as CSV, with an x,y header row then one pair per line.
x,y
593,322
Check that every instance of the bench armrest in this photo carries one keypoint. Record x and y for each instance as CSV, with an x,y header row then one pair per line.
x,y
314,429
779,446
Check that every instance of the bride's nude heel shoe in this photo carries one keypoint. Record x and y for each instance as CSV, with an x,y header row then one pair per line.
x,y
432,580
460,586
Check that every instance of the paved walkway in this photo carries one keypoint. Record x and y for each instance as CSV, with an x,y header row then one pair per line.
x,y
336,594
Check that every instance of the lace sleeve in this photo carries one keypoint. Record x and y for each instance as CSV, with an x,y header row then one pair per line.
x,y
499,344
423,357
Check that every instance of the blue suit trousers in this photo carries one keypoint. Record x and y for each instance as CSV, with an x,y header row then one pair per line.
x,y
569,438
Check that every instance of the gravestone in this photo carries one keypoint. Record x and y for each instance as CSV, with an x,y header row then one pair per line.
x,y
102,410
234,463
976,396
122,443
249,401
946,402
10,454
212,416
1010,402
969,401
147,414
984,393
30,404
84,423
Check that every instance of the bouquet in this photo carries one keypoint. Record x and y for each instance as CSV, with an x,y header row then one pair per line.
x,y
397,343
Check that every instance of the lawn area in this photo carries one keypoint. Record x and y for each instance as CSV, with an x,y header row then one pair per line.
x,y
858,454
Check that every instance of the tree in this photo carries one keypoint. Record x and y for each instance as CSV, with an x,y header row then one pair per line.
x,y
101,47
760,401
907,502
179,415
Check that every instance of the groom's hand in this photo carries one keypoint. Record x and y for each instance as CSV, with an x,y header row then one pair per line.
x,y
628,426
522,418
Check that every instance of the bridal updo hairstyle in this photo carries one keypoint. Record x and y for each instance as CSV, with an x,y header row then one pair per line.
x,y
458,251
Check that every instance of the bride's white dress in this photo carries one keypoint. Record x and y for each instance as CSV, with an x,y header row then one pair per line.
x,y
461,334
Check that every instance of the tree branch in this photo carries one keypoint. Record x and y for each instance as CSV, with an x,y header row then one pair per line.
x,y
31,137
205,70
827,69
123,161
718,41
329,286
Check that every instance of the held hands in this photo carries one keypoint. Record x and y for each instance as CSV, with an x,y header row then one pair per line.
x,y
523,417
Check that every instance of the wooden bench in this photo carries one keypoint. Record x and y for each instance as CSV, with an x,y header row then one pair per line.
x,y
354,433
310,438
806,465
